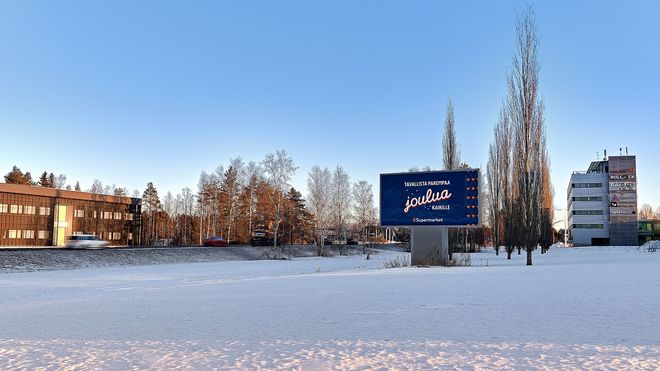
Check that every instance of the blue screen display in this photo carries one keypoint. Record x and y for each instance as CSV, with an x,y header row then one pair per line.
x,y
430,198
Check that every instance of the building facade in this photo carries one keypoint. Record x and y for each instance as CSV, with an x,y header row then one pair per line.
x,y
602,203
37,216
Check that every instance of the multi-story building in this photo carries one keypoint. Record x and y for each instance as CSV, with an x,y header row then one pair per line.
x,y
37,216
602,203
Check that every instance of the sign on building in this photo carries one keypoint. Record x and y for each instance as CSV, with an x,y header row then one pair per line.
x,y
439,198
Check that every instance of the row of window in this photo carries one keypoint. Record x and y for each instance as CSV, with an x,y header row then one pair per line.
x,y
588,198
20,209
44,235
587,185
587,212
588,226
103,215
18,233
32,210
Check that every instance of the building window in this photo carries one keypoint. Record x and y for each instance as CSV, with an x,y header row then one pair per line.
x,y
28,234
77,233
3,208
42,235
587,212
44,211
129,216
30,210
588,226
16,209
130,236
115,236
107,215
587,185
588,198
14,233
94,214
79,213
117,216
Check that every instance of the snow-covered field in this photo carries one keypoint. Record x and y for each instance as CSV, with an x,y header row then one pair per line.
x,y
575,308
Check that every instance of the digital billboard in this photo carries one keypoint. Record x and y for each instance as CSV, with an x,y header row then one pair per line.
x,y
442,198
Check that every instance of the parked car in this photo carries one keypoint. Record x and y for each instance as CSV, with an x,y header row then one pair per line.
x,y
327,241
351,241
85,241
263,241
215,241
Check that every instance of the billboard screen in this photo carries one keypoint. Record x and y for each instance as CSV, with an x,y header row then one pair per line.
x,y
442,198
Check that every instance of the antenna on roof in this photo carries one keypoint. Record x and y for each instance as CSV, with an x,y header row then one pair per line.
x,y
620,151
604,155
626,151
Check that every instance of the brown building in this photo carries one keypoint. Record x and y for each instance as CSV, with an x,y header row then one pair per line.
x,y
37,216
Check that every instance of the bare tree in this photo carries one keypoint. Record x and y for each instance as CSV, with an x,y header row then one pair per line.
x,y
547,204
494,194
526,115
252,179
341,200
279,168
168,204
451,154
60,181
645,212
97,187
319,200
363,207
187,209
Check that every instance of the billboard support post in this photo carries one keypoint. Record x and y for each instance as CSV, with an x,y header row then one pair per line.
x,y
429,246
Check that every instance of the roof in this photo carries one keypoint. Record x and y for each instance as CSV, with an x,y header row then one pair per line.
x,y
61,193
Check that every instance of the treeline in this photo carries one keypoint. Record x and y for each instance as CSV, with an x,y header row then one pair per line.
x,y
50,180
236,200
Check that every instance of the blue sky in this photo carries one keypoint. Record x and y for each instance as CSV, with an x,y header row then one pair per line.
x,y
130,92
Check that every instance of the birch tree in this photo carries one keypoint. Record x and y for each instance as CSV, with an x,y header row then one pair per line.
x,y
279,169
319,198
364,210
341,200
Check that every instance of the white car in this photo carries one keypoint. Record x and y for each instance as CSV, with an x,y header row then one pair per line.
x,y
85,241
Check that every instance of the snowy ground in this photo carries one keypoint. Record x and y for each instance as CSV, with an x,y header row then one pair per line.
x,y
584,308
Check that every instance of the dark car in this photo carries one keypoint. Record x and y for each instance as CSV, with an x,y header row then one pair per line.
x,y
215,241
351,241
263,241
327,241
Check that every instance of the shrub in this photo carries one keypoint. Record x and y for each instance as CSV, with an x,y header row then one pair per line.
x,y
398,262
460,260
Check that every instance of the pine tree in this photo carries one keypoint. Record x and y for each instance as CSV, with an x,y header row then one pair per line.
x,y
152,206
51,180
77,188
16,176
43,180
28,179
